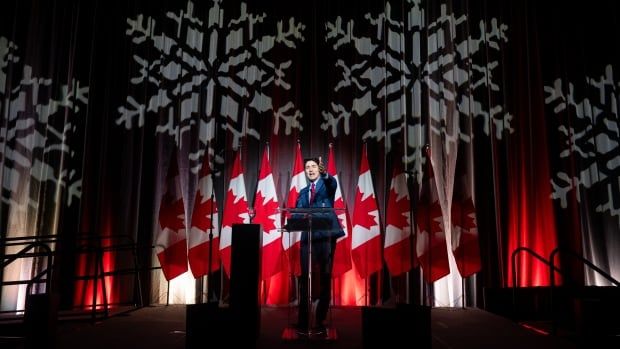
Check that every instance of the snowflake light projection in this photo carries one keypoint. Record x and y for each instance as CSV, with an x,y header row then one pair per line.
x,y
39,118
391,67
216,61
591,137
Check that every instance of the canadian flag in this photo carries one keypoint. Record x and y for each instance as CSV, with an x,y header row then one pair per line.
x,y
291,239
171,242
268,216
366,232
431,247
342,256
465,245
235,211
397,248
204,251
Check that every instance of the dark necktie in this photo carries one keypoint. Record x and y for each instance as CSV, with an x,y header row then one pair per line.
x,y
312,190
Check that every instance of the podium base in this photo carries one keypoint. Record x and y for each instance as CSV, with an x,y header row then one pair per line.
x,y
293,334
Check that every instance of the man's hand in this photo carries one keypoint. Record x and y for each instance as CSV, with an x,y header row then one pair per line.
x,y
321,166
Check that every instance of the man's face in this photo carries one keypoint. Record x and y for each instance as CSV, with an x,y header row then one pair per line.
x,y
312,170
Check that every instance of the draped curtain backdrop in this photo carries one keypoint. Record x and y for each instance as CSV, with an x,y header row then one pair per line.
x,y
501,115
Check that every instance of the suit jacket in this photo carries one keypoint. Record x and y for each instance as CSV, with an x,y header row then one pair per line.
x,y
325,224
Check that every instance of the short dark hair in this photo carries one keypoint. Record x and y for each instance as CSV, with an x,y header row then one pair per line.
x,y
311,159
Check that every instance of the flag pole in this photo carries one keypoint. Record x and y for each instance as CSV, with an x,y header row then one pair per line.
x,y
210,260
414,226
265,285
211,145
412,218
429,290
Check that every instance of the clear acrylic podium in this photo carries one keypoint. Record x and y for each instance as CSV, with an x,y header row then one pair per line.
x,y
306,221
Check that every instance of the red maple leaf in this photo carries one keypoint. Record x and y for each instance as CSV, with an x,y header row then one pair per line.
x,y
362,216
171,213
201,218
398,210
234,210
429,217
464,214
265,212
342,216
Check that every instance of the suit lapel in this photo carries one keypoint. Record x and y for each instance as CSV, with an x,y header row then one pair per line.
x,y
319,185
304,193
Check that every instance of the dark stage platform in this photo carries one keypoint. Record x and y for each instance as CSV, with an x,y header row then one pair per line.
x,y
165,327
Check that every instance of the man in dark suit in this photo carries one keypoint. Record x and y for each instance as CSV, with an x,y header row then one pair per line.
x,y
319,195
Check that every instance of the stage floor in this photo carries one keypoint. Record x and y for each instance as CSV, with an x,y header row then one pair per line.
x,y
164,327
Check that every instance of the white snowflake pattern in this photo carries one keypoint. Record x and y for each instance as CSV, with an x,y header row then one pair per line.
x,y
387,83
591,137
218,68
36,131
